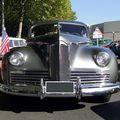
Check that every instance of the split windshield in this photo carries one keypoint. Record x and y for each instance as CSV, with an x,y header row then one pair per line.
x,y
49,29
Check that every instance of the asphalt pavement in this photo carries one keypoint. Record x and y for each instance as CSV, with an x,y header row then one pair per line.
x,y
29,108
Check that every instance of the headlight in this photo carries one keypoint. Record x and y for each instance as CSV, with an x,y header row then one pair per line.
x,y
102,59
16,59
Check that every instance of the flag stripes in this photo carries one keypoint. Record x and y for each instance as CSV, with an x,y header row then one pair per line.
x,y
5,43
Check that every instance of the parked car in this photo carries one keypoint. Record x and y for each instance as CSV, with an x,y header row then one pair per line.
x,y
109,43
101,42
59,61
115,47
15,42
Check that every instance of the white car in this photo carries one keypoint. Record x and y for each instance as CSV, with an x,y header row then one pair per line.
x,y
15,42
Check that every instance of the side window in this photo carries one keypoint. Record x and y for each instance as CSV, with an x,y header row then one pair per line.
x,y
11,43
22,43
16,43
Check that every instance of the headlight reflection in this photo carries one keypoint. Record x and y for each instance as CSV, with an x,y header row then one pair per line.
x,y
102,59
17,59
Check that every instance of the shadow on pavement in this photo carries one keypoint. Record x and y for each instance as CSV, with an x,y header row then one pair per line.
x,y
92,99
108,111
19,104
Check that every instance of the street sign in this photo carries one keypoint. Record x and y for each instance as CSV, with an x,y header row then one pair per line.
x,y
97,33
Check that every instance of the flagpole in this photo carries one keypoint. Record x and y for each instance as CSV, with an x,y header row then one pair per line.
x,y
3,18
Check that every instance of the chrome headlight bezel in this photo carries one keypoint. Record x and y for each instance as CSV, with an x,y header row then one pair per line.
x,y
16,59
102,59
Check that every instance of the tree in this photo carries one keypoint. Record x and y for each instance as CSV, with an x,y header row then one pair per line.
x,y
55,9
20,14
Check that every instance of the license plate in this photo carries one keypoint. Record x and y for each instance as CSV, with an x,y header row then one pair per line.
x,y
59,87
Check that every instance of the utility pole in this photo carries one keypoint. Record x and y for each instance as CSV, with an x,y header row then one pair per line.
x,y
113,33
3,18
21,18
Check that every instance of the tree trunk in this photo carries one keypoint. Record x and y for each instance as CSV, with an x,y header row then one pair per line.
x,y
20,27
21,19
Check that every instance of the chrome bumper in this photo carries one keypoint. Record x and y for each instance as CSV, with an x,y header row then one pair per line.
x,y
79,90
97,90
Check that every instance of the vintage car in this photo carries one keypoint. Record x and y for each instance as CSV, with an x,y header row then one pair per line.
x,y
15,42
59,61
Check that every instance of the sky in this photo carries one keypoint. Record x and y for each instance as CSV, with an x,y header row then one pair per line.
x,y
96,11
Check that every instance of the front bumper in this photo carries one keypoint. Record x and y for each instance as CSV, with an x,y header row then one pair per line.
x,y
78,90
97,90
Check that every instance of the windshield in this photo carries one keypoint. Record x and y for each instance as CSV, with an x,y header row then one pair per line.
x,y
45,29
73,29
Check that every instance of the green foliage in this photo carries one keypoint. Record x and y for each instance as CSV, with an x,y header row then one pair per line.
x,y
34,11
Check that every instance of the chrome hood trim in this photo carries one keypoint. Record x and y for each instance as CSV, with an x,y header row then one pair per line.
x,y
69,39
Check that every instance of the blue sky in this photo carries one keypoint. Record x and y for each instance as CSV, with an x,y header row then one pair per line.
x,y
96,11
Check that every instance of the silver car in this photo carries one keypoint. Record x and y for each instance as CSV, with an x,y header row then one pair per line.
x,y
59,61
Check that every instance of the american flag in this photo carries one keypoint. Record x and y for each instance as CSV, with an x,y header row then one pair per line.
x,y
5,43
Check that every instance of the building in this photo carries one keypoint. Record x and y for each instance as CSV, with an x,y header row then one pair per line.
x,y
110,30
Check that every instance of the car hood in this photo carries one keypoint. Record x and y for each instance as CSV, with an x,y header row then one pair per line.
x,y
69,38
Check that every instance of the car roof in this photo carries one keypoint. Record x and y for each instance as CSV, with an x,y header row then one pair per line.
x,y
58,21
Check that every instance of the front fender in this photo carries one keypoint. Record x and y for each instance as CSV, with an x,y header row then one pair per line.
x,y
84,59
33,59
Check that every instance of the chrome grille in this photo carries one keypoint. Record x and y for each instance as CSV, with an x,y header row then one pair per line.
x,y
89,77
28,77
